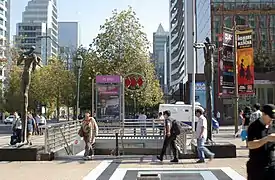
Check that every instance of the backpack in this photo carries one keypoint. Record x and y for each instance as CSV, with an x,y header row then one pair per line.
x,y
176,127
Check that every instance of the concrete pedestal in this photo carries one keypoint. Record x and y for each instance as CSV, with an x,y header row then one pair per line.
x,y
221,149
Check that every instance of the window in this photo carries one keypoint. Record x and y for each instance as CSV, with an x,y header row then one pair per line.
x,y
270,95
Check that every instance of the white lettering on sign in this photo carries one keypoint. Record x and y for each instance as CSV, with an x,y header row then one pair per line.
x,y
228,36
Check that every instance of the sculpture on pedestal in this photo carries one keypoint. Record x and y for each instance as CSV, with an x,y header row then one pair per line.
x,y
31,61
208,71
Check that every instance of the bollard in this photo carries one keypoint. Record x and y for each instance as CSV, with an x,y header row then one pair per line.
x,y
116,144
148,176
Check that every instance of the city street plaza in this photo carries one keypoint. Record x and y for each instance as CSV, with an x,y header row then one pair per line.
x,y
130,167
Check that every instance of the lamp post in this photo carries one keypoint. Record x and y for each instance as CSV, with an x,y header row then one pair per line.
x,y
79,60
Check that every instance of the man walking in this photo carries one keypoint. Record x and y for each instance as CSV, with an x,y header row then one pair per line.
x,y
169,139
257,113
261,144
201,133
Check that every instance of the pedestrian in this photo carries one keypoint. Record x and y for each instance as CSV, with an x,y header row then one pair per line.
x,y
37,120
246,119
142,120
160,122
31,126
240,122
201,133
17,127
218,116
257,113
169,138
261,144
88,131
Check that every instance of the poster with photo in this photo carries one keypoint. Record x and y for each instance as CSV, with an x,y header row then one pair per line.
x,y
108,102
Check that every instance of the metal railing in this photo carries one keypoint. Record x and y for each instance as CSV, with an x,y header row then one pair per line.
x,y
60,135
131,128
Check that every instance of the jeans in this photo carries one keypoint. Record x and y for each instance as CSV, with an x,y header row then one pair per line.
x,y
89,148
171,140
202,149
18,133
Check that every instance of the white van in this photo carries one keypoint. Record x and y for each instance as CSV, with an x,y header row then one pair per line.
x,y
180,111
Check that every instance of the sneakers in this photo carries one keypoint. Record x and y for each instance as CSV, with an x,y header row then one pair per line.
x,y
174,161
211,157
159,158
200,161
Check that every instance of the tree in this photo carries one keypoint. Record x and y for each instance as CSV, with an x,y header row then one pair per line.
x,y
51,85
12,95
121,48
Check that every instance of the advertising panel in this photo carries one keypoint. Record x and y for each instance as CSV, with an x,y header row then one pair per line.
x,y
245,63
226,86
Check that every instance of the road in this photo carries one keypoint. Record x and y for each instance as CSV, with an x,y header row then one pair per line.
x,y
5,130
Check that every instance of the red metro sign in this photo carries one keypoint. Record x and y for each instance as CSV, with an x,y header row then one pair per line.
x,y
134,81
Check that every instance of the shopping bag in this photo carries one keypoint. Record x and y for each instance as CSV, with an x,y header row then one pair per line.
x,y
244,135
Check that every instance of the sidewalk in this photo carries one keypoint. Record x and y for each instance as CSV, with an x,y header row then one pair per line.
x,y
36,140
75,168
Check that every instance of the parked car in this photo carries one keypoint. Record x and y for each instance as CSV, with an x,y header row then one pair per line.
x,y
9,119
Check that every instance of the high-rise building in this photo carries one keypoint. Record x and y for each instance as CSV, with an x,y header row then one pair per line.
x,y
68,40
4,37
68,35
39,28
203,29
181,44
160,38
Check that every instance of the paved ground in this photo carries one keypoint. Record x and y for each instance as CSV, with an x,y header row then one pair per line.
x,y
128,167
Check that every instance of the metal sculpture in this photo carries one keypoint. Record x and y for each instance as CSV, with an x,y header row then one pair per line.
x,y
208,71
31,61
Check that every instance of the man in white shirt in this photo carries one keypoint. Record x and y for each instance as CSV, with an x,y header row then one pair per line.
x,y
142,120
256,114
201,133
218,116
17,127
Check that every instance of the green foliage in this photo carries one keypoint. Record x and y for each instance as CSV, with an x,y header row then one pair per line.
x,y
47,84
120,48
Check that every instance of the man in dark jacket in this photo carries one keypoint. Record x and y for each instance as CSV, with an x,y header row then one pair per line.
x,y
169,139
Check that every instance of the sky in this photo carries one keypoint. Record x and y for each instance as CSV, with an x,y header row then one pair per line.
x,y
92,13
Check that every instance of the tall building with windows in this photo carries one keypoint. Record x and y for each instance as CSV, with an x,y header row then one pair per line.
x,y
4,38
68,40
160,38
181,33
39,28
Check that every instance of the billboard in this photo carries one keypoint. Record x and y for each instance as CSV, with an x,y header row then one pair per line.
x,y
108,101
245,63
200,93
226,86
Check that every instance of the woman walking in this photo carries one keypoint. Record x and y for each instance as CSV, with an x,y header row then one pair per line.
x,y
88,131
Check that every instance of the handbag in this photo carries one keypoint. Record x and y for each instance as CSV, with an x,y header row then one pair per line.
x,y
80,132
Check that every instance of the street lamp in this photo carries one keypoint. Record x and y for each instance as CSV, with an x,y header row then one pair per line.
x,y
79,60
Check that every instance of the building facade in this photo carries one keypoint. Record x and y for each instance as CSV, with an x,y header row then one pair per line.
x,y
4,39
260,16
160,38
203,29
181,38
68,35
68,40
39,28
